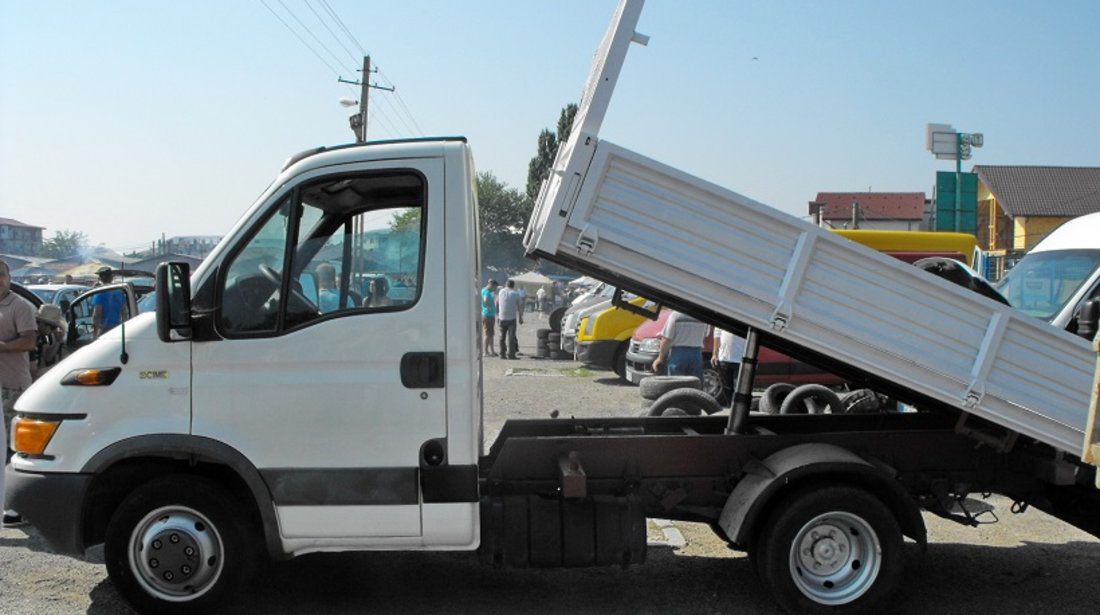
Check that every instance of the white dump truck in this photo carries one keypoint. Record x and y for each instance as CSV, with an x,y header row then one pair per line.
x,y
280,401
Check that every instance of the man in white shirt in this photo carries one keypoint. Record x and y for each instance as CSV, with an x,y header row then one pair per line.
x,y
728,350
682,346
509,310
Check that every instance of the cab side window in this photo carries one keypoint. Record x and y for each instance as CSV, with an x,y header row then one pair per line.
x,y
345,245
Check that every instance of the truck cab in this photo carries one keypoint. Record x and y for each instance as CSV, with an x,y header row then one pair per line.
x,y
285,425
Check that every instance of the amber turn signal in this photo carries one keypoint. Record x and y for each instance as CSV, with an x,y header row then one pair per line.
x,y
32,436
91,377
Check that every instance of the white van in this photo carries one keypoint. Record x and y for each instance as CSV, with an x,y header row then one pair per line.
x,y
1059,275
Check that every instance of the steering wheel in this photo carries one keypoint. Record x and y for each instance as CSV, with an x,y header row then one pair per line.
x,y
295,295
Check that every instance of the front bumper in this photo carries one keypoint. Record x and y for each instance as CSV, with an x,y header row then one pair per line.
x,y
639,365
597,352
52,503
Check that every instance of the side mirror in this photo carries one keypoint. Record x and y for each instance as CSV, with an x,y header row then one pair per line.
x,y
173,288
1087,319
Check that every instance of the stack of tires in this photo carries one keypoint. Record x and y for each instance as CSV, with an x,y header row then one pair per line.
x,y
548,346
783,398
675,396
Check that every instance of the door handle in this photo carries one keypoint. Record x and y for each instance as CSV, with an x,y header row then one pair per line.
x,y
422,370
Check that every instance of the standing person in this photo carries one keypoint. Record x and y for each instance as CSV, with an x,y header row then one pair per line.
x,y
18,330
106,306
540,296
728,350
509,310
681,346
489,315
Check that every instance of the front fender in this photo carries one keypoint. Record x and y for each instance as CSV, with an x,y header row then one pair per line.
x,y
195,450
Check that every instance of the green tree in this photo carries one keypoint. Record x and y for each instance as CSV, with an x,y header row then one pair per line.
x,y
504,212
62,244
406,221
548,143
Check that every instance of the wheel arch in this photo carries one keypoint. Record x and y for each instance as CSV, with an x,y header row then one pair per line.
x,y
766,485
123,466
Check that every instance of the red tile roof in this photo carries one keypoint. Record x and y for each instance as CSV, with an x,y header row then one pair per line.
x,y
873,205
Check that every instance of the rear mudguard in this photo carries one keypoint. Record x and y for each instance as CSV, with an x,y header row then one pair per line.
x,y
764,485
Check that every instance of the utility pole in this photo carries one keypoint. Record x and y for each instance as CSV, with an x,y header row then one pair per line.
x,y
359,120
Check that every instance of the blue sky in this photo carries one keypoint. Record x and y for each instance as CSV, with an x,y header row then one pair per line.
x,y
128,119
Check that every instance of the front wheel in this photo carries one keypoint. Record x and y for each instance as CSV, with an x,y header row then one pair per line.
x,y
831,549
179,544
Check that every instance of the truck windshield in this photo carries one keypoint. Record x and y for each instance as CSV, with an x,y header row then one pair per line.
x,y
1042,283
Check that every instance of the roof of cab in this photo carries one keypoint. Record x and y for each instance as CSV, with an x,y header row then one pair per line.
x,y
350,148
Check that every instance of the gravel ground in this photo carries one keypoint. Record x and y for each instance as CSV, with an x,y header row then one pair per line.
x,y
1025,563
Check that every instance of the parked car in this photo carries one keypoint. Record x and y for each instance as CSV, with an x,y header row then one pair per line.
x,y
61,295
772,367
596,300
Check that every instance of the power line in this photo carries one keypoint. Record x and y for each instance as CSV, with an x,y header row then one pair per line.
x,y
310,32
340,22
401,101
334,37
303,41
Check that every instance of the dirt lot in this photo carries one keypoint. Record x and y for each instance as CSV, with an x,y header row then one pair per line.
x,y
1024,563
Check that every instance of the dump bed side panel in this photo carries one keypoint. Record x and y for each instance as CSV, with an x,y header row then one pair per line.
x,y
615,214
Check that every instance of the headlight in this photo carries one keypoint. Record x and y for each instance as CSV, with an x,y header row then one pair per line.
x,y
589,324
32,435
650,344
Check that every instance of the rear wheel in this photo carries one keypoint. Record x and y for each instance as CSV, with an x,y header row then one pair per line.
x,y
179,544
831,549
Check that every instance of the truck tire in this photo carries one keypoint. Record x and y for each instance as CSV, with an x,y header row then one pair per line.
x,y
712,383
179,544
542,334
772,399
811,399
555,319
831,549
862,401
652,387
690,401
618,361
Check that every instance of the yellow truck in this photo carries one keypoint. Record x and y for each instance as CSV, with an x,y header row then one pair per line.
x,y
603,338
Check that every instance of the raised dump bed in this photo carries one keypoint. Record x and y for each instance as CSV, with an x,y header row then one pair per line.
x,y
659,231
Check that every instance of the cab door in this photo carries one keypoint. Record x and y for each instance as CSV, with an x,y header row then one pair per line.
x,y
309,373
79,316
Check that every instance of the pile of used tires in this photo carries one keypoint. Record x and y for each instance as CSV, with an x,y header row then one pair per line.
x,y
548,346
675,396
681,396
784,398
